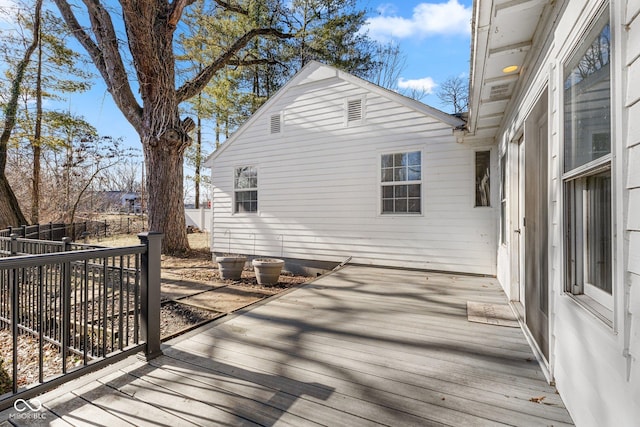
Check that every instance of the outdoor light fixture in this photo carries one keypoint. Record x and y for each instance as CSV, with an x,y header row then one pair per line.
x,y
510,69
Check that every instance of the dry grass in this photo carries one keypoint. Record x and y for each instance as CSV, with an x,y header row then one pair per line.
x,y
198,241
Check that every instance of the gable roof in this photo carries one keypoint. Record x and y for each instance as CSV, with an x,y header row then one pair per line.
x,y
316,71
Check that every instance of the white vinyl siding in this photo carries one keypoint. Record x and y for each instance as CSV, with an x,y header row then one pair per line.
x,y
594,364
320,186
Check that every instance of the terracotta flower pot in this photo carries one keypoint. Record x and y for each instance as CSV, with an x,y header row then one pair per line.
x,y
267,270
230,267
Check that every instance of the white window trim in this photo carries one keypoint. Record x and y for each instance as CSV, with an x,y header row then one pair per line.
x,y
421,182
234,190
604,312
491,178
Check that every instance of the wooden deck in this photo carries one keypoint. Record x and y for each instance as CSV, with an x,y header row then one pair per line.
x,y
362,346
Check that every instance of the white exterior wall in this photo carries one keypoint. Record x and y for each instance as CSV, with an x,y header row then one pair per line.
x,y
319,185
596,367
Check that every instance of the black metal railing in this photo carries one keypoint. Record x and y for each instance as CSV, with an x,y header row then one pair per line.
x,y
75,308
77,230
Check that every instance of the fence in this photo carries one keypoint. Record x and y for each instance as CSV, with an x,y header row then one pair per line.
x,y
74,308
199,218
77,230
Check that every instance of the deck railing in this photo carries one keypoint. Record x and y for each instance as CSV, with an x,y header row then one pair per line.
x,y
67,309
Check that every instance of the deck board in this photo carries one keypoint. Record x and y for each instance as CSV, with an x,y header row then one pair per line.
x,y
361,346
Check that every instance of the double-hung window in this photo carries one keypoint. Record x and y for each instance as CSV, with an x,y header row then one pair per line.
x,y
587,170
401,181
245,186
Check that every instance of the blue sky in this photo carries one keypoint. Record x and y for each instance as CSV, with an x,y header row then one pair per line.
x,y
434,37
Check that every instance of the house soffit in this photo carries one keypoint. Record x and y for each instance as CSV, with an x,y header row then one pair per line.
x,y
503,36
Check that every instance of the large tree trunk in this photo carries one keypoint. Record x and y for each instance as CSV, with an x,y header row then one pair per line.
x,y
10,213
37,150
150,28
165,187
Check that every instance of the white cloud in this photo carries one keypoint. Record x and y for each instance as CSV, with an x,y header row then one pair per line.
x,y
426,85
428,19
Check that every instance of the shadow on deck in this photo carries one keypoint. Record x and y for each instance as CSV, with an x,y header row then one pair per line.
x,y
362,346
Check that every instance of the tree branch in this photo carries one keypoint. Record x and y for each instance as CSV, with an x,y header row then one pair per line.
x,y
247,62
177,7
105,55
12,105
195,85
237,9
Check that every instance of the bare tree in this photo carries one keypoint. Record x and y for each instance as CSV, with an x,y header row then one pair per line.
x,y
391,62
10,212
150,28
454,93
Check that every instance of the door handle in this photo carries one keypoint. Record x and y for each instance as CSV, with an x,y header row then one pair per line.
x,y
517,231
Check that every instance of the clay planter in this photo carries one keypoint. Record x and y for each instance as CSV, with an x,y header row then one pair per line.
x,y
230,267
267,270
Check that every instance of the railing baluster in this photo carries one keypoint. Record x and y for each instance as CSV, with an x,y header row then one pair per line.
x,y
104,306
113,303
121,308
85,325
14,326
41,313
136,303
66,312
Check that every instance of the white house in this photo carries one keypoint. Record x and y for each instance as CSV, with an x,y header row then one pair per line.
x,y
333,167
556,85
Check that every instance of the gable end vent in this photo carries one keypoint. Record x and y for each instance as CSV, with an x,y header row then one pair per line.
x,y
275,123
354,110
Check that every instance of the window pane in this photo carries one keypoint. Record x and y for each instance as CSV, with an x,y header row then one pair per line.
x,y
587,102
414,205
246,177
598,231
589,243
400,191
387,206
483,164
413,158
414,173
414,190
503,198
400,174
398,159
387,175
387,192
246,201
387,160
401,205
